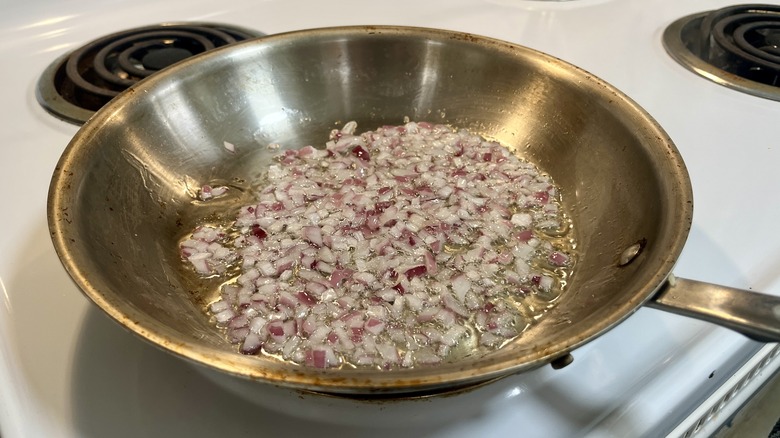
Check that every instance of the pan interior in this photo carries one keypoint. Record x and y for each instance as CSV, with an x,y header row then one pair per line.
x,y
122,195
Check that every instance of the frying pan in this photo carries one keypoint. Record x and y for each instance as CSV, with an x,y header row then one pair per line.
x,y
123,193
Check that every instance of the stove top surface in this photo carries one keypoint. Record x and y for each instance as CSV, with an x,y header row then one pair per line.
x,y
66,370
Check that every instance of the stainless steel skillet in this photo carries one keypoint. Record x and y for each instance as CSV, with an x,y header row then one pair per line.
x,y
122,194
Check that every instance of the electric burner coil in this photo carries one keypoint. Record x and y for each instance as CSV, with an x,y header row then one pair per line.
x,y
81,82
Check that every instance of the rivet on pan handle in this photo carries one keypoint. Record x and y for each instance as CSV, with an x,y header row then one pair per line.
x,y
562,361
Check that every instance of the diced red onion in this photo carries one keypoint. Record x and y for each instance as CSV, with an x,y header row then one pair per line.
x,y
413,234
252,344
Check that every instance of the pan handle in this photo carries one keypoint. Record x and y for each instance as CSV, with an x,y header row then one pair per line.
x,y
755,315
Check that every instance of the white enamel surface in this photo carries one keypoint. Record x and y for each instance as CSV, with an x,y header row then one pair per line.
x,y
67,371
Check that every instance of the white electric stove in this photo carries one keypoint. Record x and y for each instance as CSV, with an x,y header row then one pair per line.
x,y
66,370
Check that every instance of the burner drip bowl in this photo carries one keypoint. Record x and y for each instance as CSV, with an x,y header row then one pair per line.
x,y
81,82
737,46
